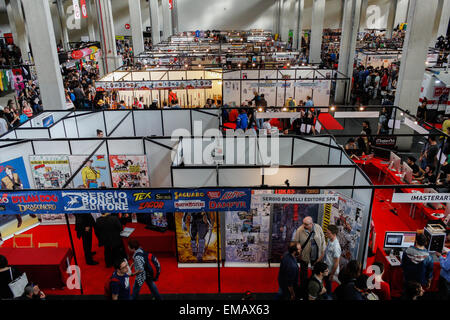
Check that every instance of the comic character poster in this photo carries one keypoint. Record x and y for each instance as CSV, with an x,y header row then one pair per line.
x,y
50,171
13,176
196,236
247,236
94,174
287,218
159,219
347,216
129,171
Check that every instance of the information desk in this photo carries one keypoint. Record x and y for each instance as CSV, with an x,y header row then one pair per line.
x,y
152,241
382,168
393,275
45,267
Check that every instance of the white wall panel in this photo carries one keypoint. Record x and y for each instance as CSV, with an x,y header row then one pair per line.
x,y
125,129
86,147
126,146
148,123
176,119
185,178
240,177
71,128
113,118
159,162
331,176
309,153
32,134
208,121
51,147
296,177
57,131
88,125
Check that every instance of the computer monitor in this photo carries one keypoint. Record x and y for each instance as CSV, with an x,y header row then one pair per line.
x,y
399,239
434,205
394,162
408,173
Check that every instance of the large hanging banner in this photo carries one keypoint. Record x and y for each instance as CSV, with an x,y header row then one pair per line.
x,y
153,85
50,171
287,218
129,171
247,233
346,214
13,176
94,174
125,201
196,236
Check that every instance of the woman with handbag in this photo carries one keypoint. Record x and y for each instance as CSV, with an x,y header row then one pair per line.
x,y
7,275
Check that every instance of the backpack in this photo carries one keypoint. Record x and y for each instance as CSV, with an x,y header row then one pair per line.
x,y
107,288
152,266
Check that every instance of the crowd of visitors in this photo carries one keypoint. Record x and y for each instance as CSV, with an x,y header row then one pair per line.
x,y
10,55
314,259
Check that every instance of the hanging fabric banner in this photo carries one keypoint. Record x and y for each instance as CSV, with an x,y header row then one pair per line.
x,y
83,9
124,201
76,9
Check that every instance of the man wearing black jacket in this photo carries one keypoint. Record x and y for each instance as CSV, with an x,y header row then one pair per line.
x,y
108,230
83,226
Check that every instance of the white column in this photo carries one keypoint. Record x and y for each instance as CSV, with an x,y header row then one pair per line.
x,y
315,47
401,12
154,18
391,18
43,44
421,15
445,18
63,22
18,28
91,19
297,41
167,20
350,27
136,26
175,26
111,60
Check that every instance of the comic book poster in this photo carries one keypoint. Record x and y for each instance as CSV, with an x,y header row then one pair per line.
x,y
129,171
347,216
196,237
50,171
159,219
247,236
94,174
13,176
54,219
287,218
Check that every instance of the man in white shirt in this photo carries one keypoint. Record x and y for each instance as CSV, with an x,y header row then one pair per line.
x,y
332,255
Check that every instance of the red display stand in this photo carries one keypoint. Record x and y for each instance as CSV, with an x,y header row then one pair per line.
x,y
44,266
152,241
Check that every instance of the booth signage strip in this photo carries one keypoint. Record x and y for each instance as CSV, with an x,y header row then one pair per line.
x,y
297,198
153,85
124,201
137,200
419,197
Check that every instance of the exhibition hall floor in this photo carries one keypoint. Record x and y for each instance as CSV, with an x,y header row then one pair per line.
x,y
173,280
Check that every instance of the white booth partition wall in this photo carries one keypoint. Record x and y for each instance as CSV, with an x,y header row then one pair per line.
x,y
122,123
277,86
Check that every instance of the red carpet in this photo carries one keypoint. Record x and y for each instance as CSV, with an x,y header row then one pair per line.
x,y
172,280
329,122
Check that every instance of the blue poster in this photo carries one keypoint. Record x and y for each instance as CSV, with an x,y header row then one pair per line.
x,y
13,175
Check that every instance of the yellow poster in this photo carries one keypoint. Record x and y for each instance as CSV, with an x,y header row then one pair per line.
x,y
196,237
